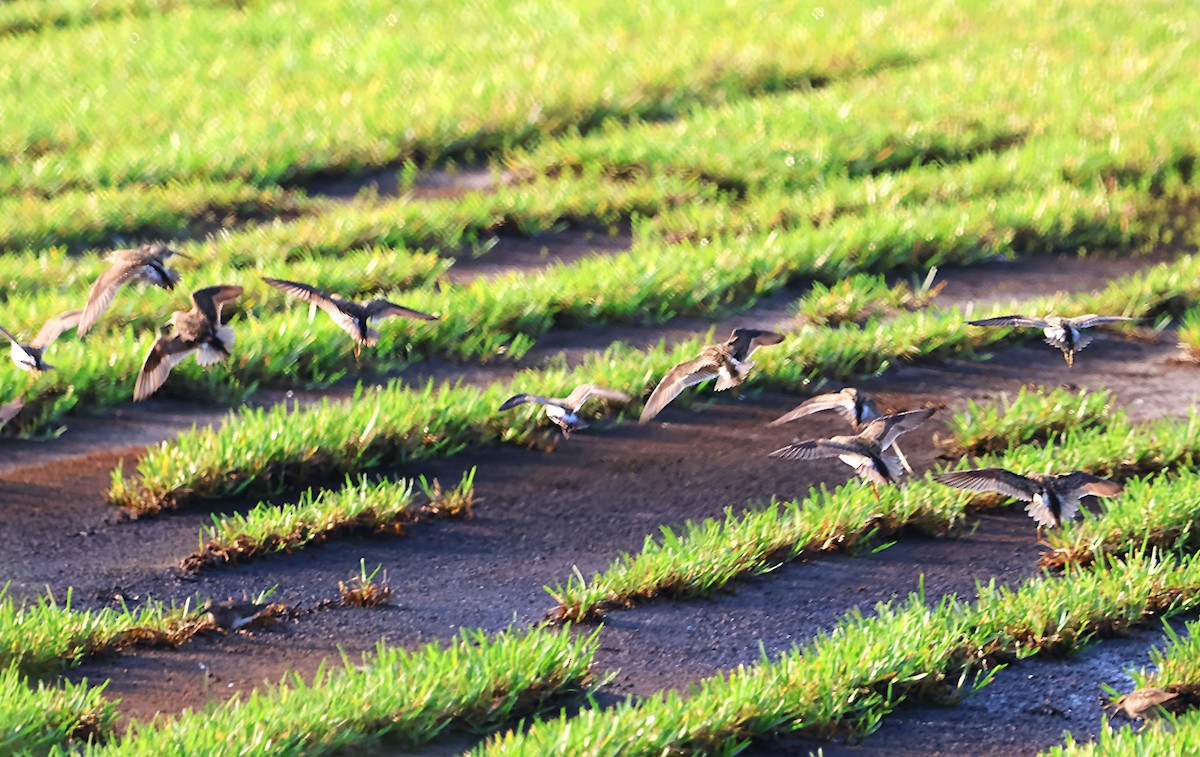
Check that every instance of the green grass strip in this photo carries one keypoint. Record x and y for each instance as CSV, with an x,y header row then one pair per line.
x,y
477,682
44,636
706,556
35,717
1178,737
852,676
1033,415
386,506
264,449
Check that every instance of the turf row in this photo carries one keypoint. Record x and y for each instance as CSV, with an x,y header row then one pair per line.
x,y
851,677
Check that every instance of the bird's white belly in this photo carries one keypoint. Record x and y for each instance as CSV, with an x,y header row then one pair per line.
x,y
22,358
557,413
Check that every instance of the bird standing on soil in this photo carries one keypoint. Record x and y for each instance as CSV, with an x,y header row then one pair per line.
x,y
197,330
728,363
1152,702
147,263
230,615
352,316
866,452
1052,499
1063,333
565,411
28,357
10,409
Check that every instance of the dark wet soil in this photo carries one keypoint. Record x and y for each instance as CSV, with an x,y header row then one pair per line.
x,y
540,516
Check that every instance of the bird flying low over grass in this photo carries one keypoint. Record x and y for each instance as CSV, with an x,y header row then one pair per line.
x,y
1063,333
1052,499
146,263
10,409
728,363
565,411
869,452
28,357
354,317
197,330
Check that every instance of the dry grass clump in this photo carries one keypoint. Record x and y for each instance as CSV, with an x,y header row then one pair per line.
x,y
364,590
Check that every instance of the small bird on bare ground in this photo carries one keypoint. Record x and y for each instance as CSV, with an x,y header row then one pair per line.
x,y
1060,332
231,615
146,263
1153,702
728,363
197,330
869,452
1052,499
565,411
10,409
354,317
28,357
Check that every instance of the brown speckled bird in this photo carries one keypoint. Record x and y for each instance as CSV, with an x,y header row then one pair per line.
x,y
728,363
354,317
28,357
564,411
1060,332
1150,702
146,263
197,330
867,452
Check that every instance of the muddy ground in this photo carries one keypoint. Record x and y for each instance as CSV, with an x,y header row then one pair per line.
x,y
542,515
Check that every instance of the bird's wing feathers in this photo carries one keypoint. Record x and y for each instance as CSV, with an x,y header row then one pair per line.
x,y
1091,319
1082,481
1011,320
210,299
166,353
991,480
814,449
679,378
521,399
836,401
8,335
743,342
55,326
385,309
888,428
104,291
581,393
9,409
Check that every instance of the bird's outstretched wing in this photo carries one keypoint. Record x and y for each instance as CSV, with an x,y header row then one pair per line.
x,y
743,342
210,299
816,449
1011,320
1091,319
8,335
840,402
521,399
888,428
581,393
9,409
991,480
1083,482
105,290
166,353
677,379
55,326
384,309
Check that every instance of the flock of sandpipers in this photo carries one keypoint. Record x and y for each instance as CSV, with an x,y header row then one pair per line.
x,y
871,451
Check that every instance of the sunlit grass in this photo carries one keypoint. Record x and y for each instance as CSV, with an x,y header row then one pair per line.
x,y
475,682
36,716
1029,416
359,506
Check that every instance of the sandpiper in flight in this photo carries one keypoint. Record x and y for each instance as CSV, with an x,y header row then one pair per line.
x,y
197,330
565,411
728,363
146,263
28,357
1063,333
354,317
